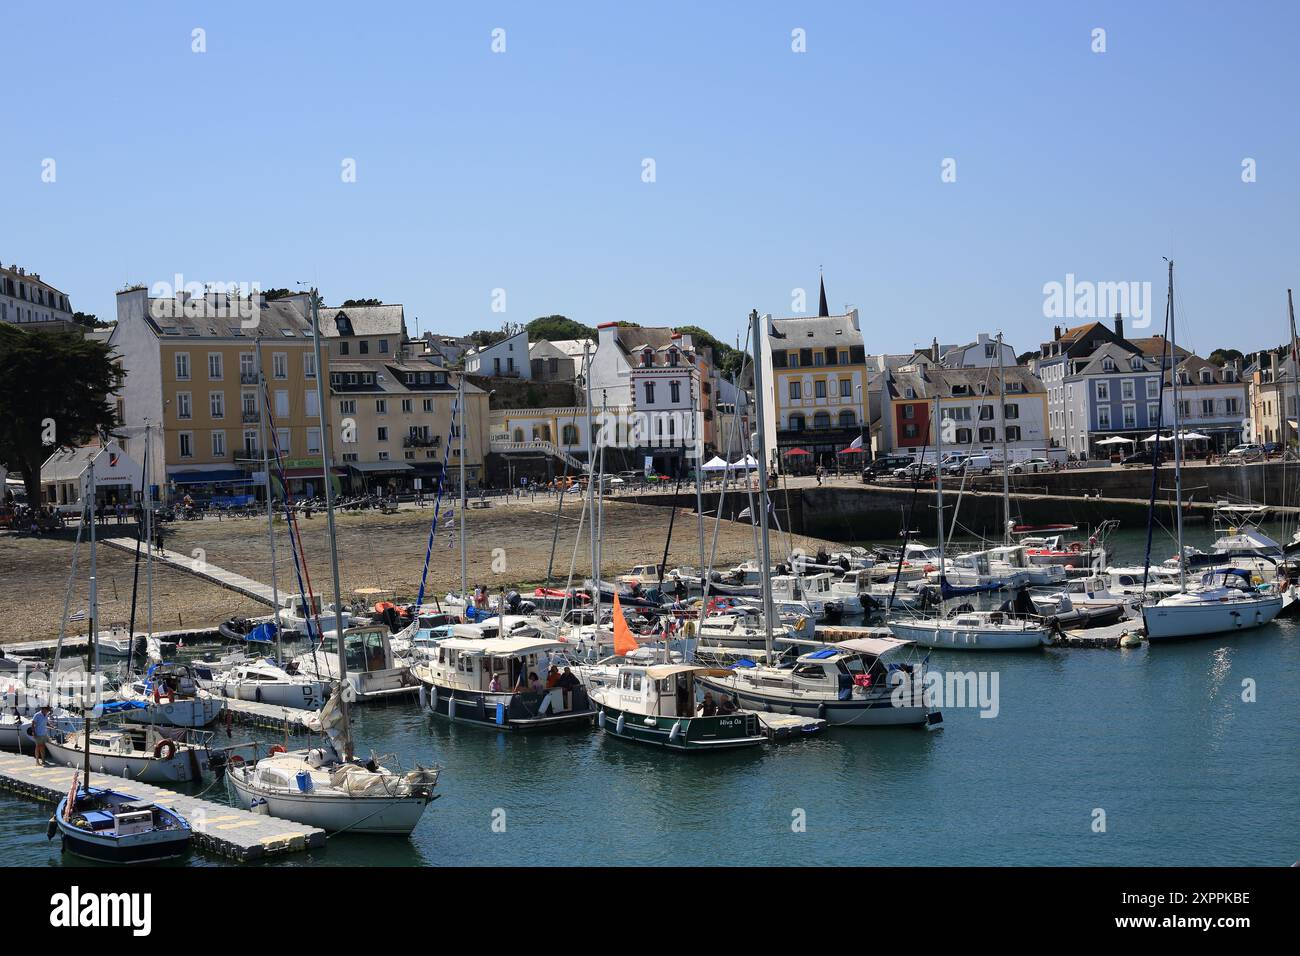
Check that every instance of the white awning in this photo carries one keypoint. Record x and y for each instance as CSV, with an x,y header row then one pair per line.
x,y
879,646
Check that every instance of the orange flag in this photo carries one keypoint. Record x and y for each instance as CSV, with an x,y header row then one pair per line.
x,y
624,642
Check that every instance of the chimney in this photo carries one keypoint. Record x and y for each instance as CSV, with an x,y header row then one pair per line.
x,y
1056,333
1119,325
934,350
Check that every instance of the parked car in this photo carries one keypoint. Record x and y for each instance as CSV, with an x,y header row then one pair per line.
x,y
917,469
1147,458
1030,466
884,466
1272,448
1247,452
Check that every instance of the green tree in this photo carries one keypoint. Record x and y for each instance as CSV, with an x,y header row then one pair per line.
x,y
270,295
555,328
727,359
1224,356
356,303
56,395
89,320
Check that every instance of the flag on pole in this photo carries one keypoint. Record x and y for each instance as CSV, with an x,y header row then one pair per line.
x,y
77,615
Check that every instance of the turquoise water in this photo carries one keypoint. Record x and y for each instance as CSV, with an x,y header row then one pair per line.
x,y
1160,740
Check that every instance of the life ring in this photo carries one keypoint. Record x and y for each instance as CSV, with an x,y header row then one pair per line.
x,y
167,745
278,749
234,760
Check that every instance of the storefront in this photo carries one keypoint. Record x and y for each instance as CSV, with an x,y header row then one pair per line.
x,y
213,487
382,477
63,476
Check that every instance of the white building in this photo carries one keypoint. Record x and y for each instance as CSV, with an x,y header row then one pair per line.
x,y
507,358
982,353
63,476
27,299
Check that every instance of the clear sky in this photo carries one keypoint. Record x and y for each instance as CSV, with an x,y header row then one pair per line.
x,y
523,170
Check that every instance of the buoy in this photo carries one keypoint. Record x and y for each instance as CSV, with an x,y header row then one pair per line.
x,y
618,728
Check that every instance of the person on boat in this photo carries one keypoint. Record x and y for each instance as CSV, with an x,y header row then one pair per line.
x,y
568,680
534,684
494,685
710,706
552,677
726,706
41,732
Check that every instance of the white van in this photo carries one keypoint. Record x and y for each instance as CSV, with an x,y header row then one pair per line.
x,y
969,465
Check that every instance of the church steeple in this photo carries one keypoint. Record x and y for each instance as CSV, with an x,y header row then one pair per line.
x,y
822,311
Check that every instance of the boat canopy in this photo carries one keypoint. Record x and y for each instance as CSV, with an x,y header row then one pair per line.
x,y
664,671
502,646
879,646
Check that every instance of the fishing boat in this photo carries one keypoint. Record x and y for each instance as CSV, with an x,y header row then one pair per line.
x,y
1225,599
656,704
326,787
112,826
870,681
500,683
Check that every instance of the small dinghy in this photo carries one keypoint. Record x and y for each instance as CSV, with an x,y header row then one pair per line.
x,y
110,826
240,630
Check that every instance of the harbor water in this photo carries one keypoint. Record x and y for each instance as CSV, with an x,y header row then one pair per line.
x,y
1181,754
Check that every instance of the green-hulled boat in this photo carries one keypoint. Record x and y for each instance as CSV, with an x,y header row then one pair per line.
x,y
655,704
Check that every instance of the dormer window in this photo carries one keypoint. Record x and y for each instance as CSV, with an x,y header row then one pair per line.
x,y
647,358
1207,377
1108,364
1136,363
343,324
673,355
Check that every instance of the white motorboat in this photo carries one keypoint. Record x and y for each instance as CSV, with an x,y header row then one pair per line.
x,y
16,729
1012,563
266,682
373,672
850,683
298,617
739,627
1224,601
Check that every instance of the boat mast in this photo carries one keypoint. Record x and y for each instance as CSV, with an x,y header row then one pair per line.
x,y
1295,379
461,418
92,655
765,552
592,434
1006,481
263,411
1178,445
938,477
326,470
148,536
696,418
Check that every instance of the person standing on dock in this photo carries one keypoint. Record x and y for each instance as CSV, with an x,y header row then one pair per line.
x,y
41,732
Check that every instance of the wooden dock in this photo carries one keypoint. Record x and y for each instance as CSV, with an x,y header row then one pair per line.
x,y
226,831
202,569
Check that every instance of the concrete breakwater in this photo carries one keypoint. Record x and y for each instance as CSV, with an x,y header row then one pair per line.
x,y
843,511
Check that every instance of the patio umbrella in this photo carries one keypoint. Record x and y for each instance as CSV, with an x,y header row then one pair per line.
x,y
1151,438
1194,436
851,451
1117,440
796,451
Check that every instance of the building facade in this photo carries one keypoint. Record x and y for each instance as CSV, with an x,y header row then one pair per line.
x,y
508,358
1212,401
26,299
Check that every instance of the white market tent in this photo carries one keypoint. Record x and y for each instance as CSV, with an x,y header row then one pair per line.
x,y
1117,440
716,463
748,463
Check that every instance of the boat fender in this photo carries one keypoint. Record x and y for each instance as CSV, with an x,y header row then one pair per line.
x,y
167,745
259,805
257,695
600,719
618,728
278,749
424,699
230,723
675,734
451,707
51,829
821,710
501,714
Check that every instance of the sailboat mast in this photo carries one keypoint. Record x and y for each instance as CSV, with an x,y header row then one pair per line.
x,y
696,418
765,551
592,434
461,418
1006,481
1295,380
263,411
1177,435
327,470
147,504
938,478
92,655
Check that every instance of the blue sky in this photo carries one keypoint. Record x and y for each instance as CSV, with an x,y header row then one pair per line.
x,y
522,170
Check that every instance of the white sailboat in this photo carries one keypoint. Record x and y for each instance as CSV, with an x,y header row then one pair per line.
x,y
1225,600
971,629
328,786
